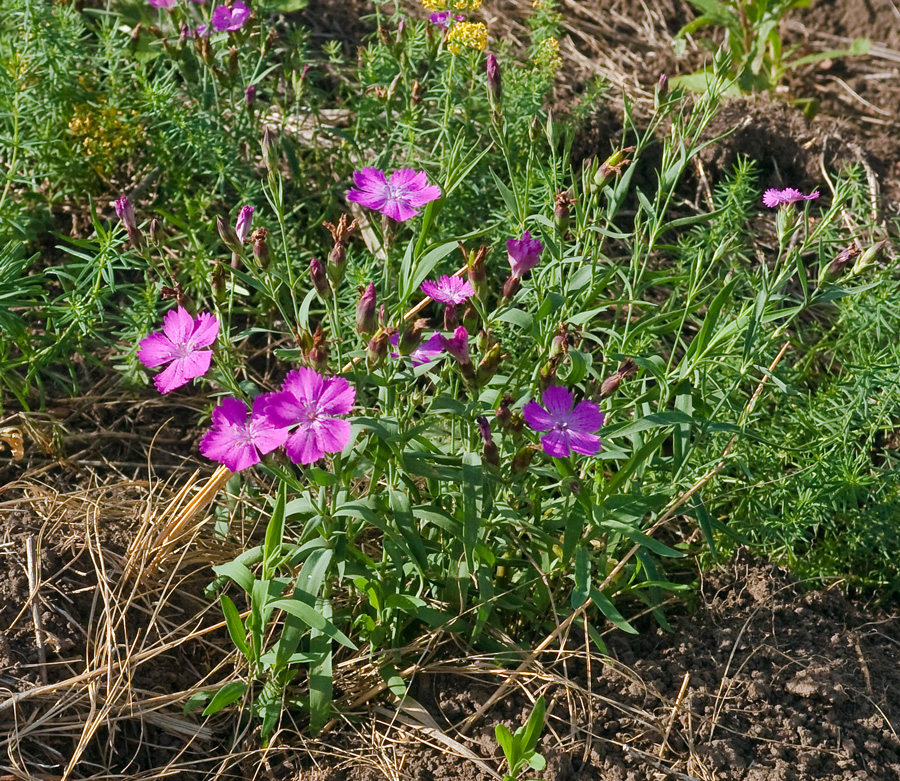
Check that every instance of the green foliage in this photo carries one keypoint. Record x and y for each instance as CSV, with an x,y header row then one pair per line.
x,y
519,747
753,29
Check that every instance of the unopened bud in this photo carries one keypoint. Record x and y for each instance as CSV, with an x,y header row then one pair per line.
x,y
366,310
522,460
337,263
503,412
378,347
411,336
401,31
610,385
470,317
318,353
156,236
250,96
561,210
870,257
662,87
491,455
451,317
477,271
561,341
268,148
228,235
494,85
836,268
242,226
319,278
612,167
489,364
232,61
510,288
415,95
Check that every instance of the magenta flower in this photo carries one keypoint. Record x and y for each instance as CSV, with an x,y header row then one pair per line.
x,y
163,3
311,403
180,345
448,290
125,212
523,254
458,346
570,429
442,18
225,18
773,198
425,352
242,226
400,199
239,442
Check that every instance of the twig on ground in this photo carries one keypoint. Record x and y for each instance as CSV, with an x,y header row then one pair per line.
x,y
33,569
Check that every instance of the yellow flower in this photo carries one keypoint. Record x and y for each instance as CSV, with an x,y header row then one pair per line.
x,y
469,35
458,5
547,56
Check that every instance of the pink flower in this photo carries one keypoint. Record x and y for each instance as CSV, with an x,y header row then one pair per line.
x,y
523,254
773,198
570,429
425,352
225,18
239,442
125,212
442,18
242,226
180,345
162,3
448,290
400,199
458,346
311,403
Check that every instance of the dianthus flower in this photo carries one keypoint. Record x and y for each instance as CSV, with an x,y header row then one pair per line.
x,y
162,3
523,254
399,199
242,226
225,18
467,35
425,352
238,441
448,290
773,198
570,429
442,19
180,345
311,403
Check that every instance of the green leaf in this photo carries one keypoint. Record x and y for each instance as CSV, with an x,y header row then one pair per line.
x,y
313,619
236,629
274,534
534,726
229,693
237,572
609,610
406,524
321,680
660,549
505,739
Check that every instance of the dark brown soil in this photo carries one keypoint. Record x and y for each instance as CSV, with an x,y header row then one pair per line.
x,y
781,683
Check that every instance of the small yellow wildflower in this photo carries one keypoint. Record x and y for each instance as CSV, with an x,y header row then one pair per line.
x,y
469,35
547,56
458,5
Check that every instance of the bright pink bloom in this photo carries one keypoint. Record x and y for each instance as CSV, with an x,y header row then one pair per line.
x,y
448,290
163,3
400,199
442,18
242,226
773,198
239,442
225,18
458,345
523,254
311,402
180,345
425,352
570,429
125,212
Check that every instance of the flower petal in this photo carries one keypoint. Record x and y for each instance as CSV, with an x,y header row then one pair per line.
x,y
398,210
556,443
206,329
302,446
305,384
337,397
333,434
586,417
178,325
586,444
155,350
265,433
558,401
182,370
536,417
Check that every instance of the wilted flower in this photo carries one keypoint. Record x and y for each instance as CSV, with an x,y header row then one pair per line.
x,y
448,290
225,18
458,346
311,403
238,441
468,35
773,198
570,429
400,199
523,254
180,345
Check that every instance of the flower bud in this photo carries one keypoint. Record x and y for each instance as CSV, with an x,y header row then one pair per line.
x,y
232,61
378,347
561,208
494,85
477,271
489,364
250,96
561,342
610,385
411,336
268,148
401,31
242,226
612,167
470,317
125,213
319,278
261,250
503,413
836,268
365,311
337,263
522,460
662,87
217,281
491,455
510,288
156,237
451,317
870,257
415,95
228,235
317,355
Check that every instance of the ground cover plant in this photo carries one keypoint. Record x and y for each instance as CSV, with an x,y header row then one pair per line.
x,y
467,383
